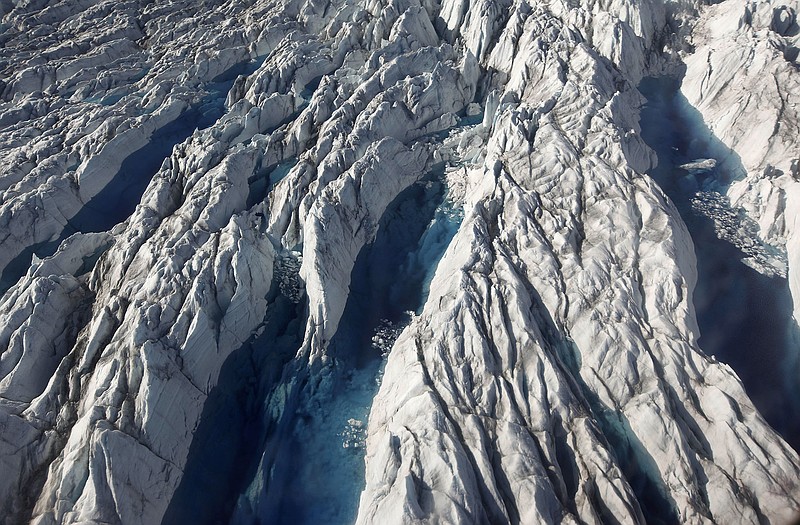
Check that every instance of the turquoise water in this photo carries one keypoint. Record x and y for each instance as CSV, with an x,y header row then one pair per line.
x,y
288,441
280,443
315,472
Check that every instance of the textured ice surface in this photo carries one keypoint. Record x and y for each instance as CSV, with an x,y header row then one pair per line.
x,y
317,473
393,261
227,443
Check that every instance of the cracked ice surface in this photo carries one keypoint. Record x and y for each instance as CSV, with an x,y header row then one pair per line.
x,y
550,371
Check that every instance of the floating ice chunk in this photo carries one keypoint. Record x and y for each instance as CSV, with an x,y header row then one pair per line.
x,y
736,227
355,434
700,164
386,334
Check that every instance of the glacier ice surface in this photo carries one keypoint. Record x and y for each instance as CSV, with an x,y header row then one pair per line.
x,y
316,474
524,314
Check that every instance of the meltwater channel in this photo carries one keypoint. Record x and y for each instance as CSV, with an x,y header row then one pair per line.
x,y
317,472
279,443
745,317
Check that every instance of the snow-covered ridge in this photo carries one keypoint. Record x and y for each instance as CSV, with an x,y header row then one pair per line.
x,y
552,372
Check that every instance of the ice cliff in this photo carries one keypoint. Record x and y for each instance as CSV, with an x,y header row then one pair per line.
x,y
190,186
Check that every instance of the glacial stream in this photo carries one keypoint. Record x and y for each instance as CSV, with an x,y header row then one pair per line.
x,y
279,443
316,472
745,317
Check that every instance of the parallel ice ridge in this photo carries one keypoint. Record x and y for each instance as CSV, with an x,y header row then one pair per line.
x,y
565,250
552,373
326,428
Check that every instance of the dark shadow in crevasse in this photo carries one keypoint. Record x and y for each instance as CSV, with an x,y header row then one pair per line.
x,y
232,433
316,471
118,199
745,317
637,465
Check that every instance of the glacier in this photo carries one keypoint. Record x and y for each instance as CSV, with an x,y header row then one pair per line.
x,y
399,261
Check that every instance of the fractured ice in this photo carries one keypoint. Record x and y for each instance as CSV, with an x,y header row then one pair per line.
x,y
468,261
736,227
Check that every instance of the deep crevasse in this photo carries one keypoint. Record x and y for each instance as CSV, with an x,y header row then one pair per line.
x,y
551,371
745,317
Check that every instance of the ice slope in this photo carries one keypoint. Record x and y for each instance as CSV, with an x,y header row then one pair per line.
x,y
552,373
568,251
